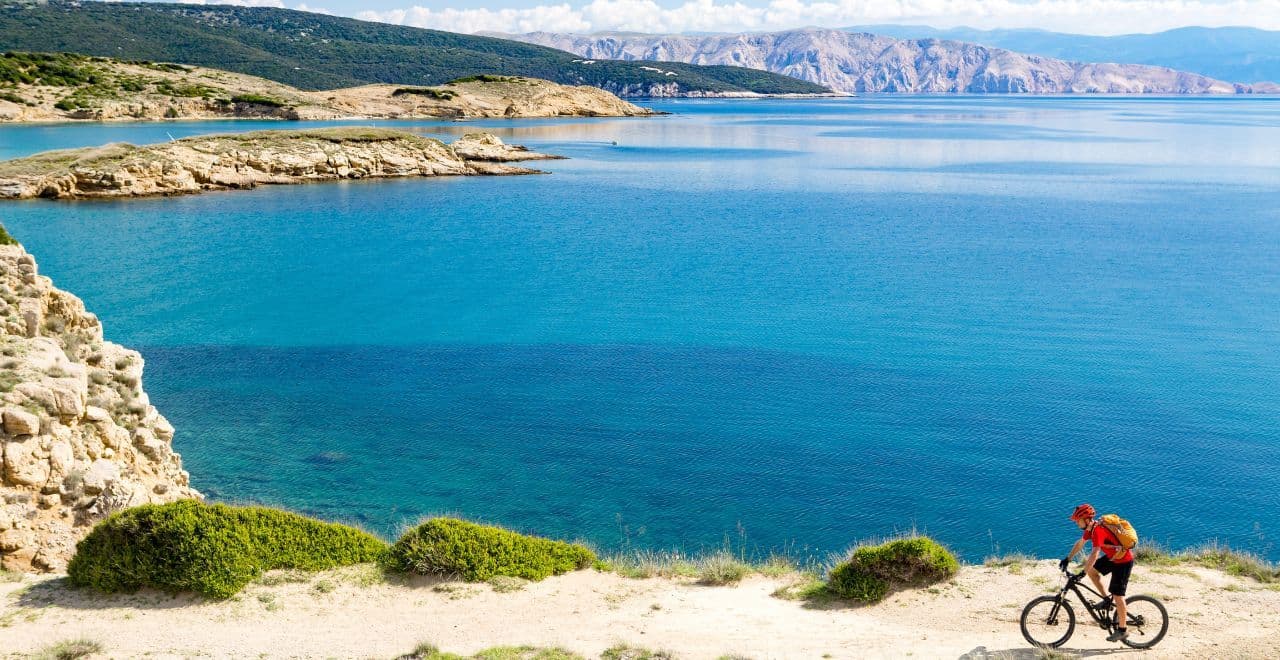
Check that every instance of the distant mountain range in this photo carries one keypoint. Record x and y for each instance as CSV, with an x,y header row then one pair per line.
x,y
1238,54
318,51
859,62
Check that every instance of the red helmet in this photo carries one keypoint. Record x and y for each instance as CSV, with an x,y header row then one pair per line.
x,y
1083,512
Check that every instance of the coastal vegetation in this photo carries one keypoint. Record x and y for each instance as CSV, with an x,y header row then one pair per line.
x,y
259,99
429,92
72,649
453,547
41,86
211,549
872,570
429,651
91,81
316,51
1212,555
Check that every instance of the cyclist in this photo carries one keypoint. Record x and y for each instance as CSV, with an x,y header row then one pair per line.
x,y
1115,561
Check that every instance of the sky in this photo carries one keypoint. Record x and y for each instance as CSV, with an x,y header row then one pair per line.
x,y
1103,17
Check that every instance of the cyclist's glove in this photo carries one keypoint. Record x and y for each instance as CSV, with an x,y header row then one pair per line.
x,y
1062,565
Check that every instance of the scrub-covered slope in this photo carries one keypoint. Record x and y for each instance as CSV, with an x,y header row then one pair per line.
x,y
317,51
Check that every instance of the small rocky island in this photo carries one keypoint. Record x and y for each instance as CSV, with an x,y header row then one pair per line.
x,y
246,160
39,87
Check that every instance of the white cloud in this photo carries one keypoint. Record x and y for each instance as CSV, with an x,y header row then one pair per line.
x,y
1083,16
315,10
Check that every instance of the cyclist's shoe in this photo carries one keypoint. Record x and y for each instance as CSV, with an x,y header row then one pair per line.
x,y
1119,635
1103,604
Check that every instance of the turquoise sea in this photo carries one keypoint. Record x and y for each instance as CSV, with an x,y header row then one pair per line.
x,y
791,324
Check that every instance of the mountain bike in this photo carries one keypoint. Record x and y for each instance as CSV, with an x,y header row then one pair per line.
x,y
1048,621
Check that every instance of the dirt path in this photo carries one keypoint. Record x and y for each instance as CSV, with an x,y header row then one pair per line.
x,y
347,614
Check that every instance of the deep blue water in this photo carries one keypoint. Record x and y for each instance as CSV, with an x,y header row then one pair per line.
x,y
820,321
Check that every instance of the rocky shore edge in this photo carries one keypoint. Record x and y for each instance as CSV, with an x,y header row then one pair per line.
x,y
79,438
62,87
246,160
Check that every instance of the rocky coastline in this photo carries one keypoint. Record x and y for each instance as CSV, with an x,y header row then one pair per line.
x,y
66,87
80,439
247,160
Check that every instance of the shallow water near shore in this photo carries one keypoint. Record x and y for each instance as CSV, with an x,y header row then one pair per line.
x,y
789,324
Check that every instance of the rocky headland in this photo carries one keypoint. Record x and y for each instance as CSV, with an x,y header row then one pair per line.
x,y
80,438
39,87
859,62
246,160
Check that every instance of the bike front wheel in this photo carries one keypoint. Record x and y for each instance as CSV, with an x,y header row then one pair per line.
x,y
1146,620
1048,621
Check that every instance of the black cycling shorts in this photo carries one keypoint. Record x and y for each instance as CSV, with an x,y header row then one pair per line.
x,y
1119,574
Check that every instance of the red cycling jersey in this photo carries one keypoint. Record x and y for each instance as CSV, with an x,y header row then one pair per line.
x,y
1101,537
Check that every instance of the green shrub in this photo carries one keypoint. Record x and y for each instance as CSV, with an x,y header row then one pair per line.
x,y
258,99
214,550
486,78
5,238
873,570
448,546
438,94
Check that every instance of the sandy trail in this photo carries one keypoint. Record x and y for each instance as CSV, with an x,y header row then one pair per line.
x,y
338,614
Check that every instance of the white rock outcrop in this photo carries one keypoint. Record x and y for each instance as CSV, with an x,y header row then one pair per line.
x,y
80,439
246,160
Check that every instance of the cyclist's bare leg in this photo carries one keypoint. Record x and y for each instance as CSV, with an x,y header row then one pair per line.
x,y
1097,579
1121,612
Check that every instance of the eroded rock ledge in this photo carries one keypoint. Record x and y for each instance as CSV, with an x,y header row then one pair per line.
x,y
79,438
246,160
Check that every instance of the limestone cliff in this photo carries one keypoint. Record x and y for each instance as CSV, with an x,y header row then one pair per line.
x,y
245,160
80,438
851,62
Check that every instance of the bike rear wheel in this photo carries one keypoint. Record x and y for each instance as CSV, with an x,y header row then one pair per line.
x,y
1147,622
1048,621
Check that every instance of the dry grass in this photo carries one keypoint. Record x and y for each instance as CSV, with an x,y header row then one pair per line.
x,y
1212,555
628,652
69,650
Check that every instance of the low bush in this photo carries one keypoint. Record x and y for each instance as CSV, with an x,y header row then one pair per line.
x,y
438,94
214,549
484,77
475,553
873,570
722,568
72,649
5,238
258,99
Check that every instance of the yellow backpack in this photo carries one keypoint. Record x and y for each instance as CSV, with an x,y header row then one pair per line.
x,y
1122,529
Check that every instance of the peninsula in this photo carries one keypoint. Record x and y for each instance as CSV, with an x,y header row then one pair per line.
x,y
246,160
39,87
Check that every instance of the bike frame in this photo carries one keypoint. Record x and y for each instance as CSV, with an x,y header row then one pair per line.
x,y
1075,581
